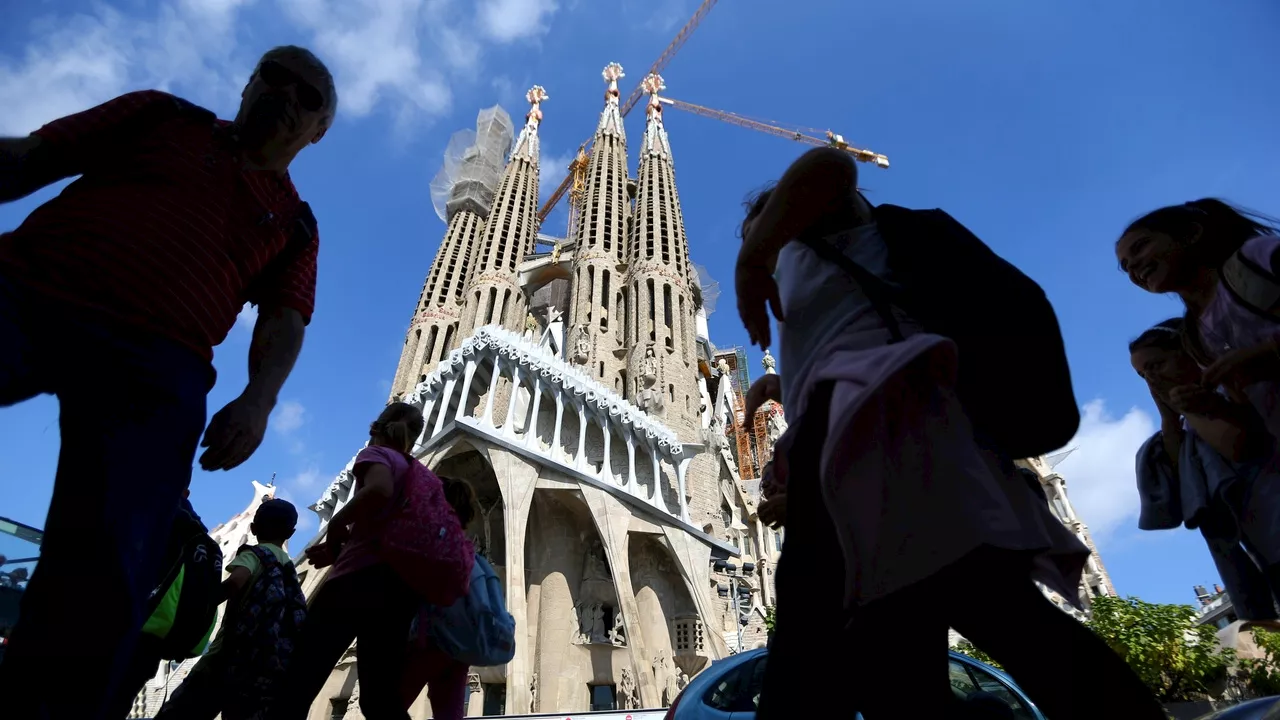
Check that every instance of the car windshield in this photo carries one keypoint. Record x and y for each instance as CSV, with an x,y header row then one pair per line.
x,y
19,551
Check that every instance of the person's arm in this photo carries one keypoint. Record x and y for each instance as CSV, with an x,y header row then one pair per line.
x,y
376,485
71,145
28,164
237,580
820,182
1232,432
277,341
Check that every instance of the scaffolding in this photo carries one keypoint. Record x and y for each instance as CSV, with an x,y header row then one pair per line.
x,y
752,449
473,164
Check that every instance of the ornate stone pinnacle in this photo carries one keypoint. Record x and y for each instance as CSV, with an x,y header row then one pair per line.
x,y
536,95
653,84
612,73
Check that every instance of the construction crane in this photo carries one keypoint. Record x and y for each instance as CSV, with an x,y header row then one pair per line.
x,y
801,135
578,169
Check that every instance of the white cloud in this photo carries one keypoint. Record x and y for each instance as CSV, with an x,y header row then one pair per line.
x,y
306,479
507,20
399,54
288,417
247,318
1100,474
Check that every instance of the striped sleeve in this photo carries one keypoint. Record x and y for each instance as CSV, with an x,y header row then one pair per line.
x,y
87,135
295,287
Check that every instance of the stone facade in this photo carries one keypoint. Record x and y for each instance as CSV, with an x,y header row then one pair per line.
x,y
577,399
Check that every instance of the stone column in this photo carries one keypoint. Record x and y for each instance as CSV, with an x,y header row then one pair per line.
x,y
517,479
693,557
613,520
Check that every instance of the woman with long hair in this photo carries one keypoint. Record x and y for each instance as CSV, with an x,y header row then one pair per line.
x,y
1222,262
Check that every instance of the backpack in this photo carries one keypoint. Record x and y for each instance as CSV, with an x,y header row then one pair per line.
x,y
423,541
1252,286
477,629
263,627
183,609
1011,352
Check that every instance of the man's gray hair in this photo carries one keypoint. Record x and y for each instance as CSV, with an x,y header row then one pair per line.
x,y
308,59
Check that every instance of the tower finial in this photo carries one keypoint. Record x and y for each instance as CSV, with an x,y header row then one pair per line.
x,y
527,143
612,73
653,84
536,96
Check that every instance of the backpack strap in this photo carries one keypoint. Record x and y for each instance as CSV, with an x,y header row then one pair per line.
x,y
1252,285
877,290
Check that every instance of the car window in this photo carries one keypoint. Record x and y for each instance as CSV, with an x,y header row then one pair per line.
x,y
757,682
961,682
731,692
985,682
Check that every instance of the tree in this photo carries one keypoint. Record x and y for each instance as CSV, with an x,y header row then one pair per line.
x,y
1261,676
1178,659
967,648
770,619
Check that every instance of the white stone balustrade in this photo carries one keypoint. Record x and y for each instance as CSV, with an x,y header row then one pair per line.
x,y
508,390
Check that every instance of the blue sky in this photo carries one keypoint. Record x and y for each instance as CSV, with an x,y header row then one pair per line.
x,y
1045,127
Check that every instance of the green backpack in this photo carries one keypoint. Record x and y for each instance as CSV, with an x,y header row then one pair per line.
x,y
183,608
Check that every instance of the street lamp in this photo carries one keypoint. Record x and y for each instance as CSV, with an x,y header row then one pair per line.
x,y
739,596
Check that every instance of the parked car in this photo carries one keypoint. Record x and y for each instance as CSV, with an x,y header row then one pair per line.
x,y
1267,708
730,689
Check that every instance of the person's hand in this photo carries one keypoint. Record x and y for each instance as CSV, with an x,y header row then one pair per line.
x,y
757,294
773,510
320,555
1243,367
767,387
1196,400
1167,413
234,433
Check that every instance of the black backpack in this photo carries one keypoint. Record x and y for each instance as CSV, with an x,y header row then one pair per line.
x,y
183,608
1014,381
263,627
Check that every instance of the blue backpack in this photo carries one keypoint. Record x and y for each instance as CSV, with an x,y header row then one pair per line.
x,y
477,629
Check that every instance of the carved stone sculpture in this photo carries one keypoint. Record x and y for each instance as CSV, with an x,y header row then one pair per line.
x,y
628,691
618,634
530,327
581,348
533,693
649,367
768,362
591,624
594,566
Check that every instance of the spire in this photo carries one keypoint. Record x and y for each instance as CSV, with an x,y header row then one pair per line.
x,y
655,135
611,116
527,143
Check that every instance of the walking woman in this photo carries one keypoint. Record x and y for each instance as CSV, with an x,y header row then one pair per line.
x,y
367,597
931,529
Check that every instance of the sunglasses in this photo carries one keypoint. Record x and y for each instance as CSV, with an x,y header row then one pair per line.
x,y
277,76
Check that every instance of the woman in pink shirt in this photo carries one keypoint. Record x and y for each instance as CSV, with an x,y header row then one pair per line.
x,y
362,599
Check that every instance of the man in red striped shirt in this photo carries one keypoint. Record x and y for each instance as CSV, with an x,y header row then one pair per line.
x,y
112,297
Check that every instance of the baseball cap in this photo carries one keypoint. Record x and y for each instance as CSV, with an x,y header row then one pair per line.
x,y
277,514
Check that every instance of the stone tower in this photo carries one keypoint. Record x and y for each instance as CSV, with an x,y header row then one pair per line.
x,y
661,358
600,306
434,331
493,295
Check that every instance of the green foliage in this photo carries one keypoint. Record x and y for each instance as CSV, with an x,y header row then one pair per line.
x,y
770,619
1176,658
1261,676
967,648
